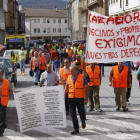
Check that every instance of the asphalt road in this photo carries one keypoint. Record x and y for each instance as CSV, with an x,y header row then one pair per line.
x,y
106,125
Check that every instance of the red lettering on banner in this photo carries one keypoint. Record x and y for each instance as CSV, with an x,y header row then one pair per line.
x,y
136,16
137,40
118,20
119,43
110,19
89,17
125,18
107,43
94,18
101,20
98,43
130,38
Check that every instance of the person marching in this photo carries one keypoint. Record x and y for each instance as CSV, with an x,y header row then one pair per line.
x,y
75,88
49,77
43,63
5,90
138,76
79,51
22,59
36,66
78,64
78,59
13,57
94,86
120,78
64,73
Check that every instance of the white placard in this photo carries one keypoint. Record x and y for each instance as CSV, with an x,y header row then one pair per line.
x,y
41,107
113,39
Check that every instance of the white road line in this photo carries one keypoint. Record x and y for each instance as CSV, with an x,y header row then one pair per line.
x,y
59,134
122,136
120,123
126,116
16,135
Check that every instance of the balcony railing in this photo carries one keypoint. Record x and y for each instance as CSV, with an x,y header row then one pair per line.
x,y
92,2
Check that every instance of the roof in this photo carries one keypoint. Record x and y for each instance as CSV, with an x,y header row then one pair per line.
x,y
35,12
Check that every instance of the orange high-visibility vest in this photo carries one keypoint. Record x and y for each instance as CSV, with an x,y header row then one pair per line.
x,y
69,52
82,64
81,46
76,89
43,67
51,50
94,76
120,79
33,63
5,92
64,75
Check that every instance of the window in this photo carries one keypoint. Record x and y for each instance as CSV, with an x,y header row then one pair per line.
x,y
59,20
109,2
126,2
116,1
44,20
35,30
113,1
54,30
54,20
59,30
65,21
44,30
65,30
48,21
48,30
38,30
34,20
38,20
120,3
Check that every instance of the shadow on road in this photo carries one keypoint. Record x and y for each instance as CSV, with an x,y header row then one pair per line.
x,y
24,84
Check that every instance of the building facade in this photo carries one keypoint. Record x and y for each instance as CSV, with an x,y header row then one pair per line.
x,y
79,15
11,23
121,7
3,10
46,23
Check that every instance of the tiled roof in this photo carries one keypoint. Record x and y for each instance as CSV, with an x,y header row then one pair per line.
x,y
33,12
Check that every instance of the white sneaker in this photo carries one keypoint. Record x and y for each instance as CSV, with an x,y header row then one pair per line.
x,y
98,110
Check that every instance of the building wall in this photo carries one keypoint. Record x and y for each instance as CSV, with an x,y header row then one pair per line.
x,y
41,25
117,7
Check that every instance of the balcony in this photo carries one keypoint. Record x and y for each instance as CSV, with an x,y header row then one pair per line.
x,y
92,2
3,5
84,5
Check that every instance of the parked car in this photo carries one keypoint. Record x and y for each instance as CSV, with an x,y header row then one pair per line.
x,y
7,53
5,71
11,68
76,42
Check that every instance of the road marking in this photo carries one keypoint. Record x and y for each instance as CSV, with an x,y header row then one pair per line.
x,y
16,135
120,123
59,134
126,116
122,136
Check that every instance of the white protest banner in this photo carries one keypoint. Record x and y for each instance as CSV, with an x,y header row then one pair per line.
x,y
41,107
113,39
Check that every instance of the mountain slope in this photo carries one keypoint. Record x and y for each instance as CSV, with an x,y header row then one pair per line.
x,y
61,4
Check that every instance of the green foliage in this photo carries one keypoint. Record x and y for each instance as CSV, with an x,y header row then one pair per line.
x,y
61,4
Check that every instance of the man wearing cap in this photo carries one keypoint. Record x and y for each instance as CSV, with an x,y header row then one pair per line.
x,y
120,78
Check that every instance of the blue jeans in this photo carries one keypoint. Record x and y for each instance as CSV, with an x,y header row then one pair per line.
x,y
70,59
102,67
22,66
79,103
85,108
36,75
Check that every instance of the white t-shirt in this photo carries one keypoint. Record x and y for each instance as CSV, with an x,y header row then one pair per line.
x,y
49,79
22,55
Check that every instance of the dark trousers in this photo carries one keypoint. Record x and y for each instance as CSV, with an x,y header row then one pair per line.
x,y
128,91
79,103
101,65
66,103
41,71
2,118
